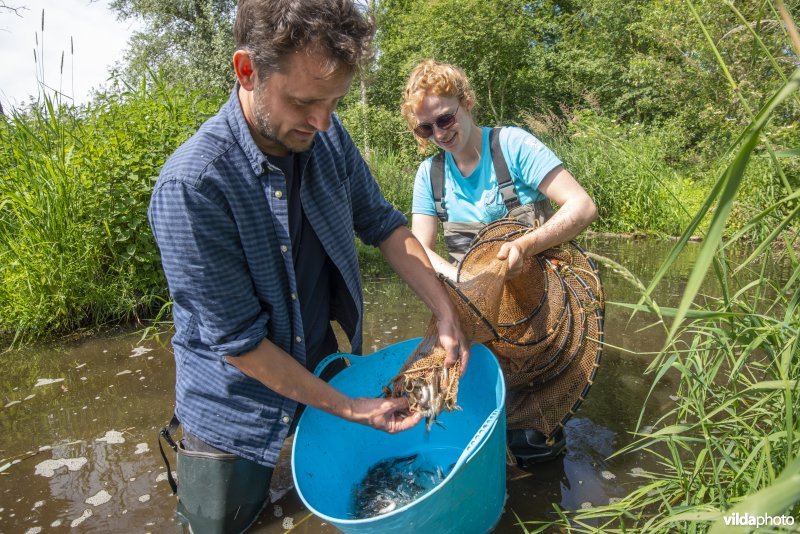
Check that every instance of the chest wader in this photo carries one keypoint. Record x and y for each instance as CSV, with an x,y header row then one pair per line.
x,y
459,235
526,445
218,492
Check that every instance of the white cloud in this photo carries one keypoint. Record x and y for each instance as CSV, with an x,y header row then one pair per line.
x,y
99,41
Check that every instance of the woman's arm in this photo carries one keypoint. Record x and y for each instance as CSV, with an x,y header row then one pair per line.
x,y
576,213
424,228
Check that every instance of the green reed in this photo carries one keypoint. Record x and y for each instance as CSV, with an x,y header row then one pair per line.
x,y
731,443
630,180
75,247
37,222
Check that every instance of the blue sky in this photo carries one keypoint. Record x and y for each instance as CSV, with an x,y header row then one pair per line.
x,y
99,41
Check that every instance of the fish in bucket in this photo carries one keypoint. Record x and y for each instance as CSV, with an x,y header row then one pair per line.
x,y
332,459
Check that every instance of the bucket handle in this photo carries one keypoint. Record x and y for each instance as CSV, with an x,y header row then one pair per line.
x,y
329,359
479,437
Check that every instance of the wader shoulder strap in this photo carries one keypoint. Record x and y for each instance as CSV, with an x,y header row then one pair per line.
x,y
504,181
437,184
166,434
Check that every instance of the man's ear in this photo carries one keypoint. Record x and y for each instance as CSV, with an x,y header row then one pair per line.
x,y
245,70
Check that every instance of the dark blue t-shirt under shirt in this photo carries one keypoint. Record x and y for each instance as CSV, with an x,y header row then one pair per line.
x,y
312,269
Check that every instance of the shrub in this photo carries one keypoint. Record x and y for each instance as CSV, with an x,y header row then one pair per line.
x,y
75,245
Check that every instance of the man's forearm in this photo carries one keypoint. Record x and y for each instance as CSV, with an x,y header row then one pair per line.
x,y
410,261
284,375
408,258
281,373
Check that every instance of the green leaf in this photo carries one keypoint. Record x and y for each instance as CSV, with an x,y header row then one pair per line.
x,y
729,184
789,153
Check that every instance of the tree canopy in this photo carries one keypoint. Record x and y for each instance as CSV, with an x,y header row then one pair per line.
x,y
651,62
189,40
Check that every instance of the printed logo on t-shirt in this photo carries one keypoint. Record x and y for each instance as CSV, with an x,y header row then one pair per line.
x,y
535,144
492,203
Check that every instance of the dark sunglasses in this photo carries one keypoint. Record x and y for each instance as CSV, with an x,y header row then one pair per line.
x,y
443,122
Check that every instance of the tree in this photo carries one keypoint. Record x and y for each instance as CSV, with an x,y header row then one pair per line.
x,y
11,9
634,61
188,40
491,41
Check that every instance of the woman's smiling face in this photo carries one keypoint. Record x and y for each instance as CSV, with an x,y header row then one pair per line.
x,y
454,138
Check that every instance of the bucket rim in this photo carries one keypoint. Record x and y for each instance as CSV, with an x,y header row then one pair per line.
x,y
486,429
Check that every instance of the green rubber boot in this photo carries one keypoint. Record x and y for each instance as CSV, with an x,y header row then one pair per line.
x,y
219,492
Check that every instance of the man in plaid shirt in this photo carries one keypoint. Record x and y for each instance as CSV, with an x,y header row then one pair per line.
x,y
255,217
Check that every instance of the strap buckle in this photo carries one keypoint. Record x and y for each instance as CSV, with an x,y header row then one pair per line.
x,y
166,434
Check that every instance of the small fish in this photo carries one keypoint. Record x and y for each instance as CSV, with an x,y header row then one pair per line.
x,y
427,396
436,402
393,483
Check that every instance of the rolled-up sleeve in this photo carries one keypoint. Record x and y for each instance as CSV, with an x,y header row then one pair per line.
x,y
205,267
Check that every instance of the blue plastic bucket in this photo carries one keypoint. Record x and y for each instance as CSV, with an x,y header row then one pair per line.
x,y
331,456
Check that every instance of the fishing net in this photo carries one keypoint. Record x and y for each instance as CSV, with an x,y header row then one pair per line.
x,y
545,326
430,387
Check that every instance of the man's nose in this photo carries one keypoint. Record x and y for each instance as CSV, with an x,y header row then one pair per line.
x,y
320,118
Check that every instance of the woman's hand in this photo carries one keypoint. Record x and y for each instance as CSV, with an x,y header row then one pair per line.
x,y
513,252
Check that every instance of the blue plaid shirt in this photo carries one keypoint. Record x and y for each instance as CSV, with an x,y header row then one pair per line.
x,y
219,215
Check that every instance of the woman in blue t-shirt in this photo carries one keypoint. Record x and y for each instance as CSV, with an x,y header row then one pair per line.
x,y
437,104
483,174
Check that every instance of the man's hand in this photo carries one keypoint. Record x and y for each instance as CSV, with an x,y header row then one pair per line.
x,y
389,415
452,340
512,251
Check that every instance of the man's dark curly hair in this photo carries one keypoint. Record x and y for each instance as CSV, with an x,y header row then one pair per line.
x,y
270,30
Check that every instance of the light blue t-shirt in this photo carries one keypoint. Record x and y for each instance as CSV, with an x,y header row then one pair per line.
x,y
476,198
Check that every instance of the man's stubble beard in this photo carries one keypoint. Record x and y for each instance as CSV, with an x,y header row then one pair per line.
x,y
262,122
264,126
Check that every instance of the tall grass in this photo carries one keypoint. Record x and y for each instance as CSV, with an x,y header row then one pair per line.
x,y
732,441
43,247
626,170
76,251
75,247
395,174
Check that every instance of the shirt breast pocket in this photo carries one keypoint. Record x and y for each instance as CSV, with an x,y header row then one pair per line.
x,y
492,204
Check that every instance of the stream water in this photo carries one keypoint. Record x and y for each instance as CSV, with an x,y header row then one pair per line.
x,y
79,419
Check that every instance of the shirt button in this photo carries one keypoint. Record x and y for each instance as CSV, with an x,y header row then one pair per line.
x,y
284,248
299,339
294,296
285,419
278,193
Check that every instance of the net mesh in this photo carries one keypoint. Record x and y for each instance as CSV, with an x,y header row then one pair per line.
x,y
545,327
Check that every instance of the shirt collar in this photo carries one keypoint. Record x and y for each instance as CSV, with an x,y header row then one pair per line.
x,y
241,132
